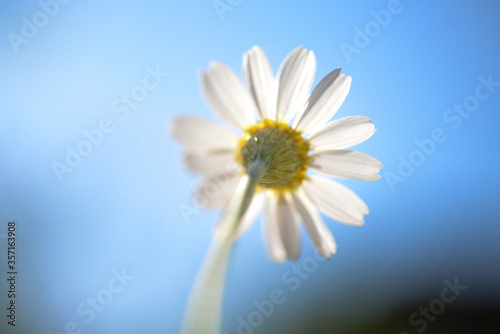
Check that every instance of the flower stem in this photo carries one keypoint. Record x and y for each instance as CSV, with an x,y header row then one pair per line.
x,y
203,313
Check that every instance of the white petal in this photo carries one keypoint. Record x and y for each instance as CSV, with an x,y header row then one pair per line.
x,y
235,214
336,200
216,190
324,101
260,79
288,226
210,162
248,219
342,133
347,164
200,134
254,209
295,78
320,235
282,233
271,230
227,96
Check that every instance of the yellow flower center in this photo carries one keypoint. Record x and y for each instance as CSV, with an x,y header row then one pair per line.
x,y
282,149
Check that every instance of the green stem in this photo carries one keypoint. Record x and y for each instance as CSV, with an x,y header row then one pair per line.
x,y
203,313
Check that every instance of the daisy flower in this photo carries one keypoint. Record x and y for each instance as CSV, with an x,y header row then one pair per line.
x,y
276,121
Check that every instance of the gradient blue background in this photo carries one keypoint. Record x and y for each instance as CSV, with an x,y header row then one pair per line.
x,y
120,207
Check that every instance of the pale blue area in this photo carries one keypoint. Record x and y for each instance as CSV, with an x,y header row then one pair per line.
x,y
119,208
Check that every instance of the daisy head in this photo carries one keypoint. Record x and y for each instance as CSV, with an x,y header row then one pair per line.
x,y
277,121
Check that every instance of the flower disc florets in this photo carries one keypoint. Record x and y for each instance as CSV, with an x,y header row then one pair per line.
x,y
281,148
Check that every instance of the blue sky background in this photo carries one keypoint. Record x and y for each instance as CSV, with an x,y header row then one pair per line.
x,y
118,209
